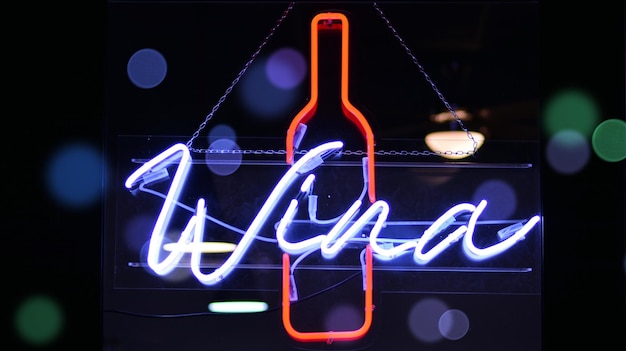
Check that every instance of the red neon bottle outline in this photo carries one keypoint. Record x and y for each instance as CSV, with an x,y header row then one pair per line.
x,y
329,336
325,21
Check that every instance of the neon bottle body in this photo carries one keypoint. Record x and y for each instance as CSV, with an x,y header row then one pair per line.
x,y
321,25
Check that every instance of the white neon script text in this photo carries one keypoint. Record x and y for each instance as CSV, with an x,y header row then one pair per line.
x,y
344,230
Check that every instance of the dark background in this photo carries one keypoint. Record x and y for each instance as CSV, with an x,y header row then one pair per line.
x,y
55,59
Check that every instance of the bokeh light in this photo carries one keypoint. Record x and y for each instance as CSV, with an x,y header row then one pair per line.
x,y
286,68
262,99
146,68
423,319
567,152
500,196
222,131
39,320
224,158
137,231
571,109
177,275
609,140
74,175
344,317
453,324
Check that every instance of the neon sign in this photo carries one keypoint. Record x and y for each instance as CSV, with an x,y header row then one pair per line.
x,y
344,230
362,224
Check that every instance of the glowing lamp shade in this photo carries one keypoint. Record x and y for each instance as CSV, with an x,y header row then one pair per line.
x,y
454,144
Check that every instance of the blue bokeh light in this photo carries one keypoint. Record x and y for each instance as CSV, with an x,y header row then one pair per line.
x,y
568,152
262,98
286,68
501,199
74,175
146,68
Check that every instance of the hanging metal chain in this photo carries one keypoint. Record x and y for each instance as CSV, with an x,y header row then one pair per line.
x,y
360,153
236,80
426,76
256,53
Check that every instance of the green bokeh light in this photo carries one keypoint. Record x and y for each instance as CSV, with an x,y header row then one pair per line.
x,y
571,109
609,140
38,320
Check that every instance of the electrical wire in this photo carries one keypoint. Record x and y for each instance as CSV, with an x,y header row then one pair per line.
x,y
203,314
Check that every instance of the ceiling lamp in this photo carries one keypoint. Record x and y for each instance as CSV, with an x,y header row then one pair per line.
x,y
454,144
447,116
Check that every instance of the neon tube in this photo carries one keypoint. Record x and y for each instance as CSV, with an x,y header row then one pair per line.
x,y
238,306
393,251
176,152
344,230
476,253
331,243
439,225
299,247
307,185
298,124
204,247
308,162
380,208
328,336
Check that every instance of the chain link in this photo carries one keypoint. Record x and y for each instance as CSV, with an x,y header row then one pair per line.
x,y
345,152
360,153
426,76
236,80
